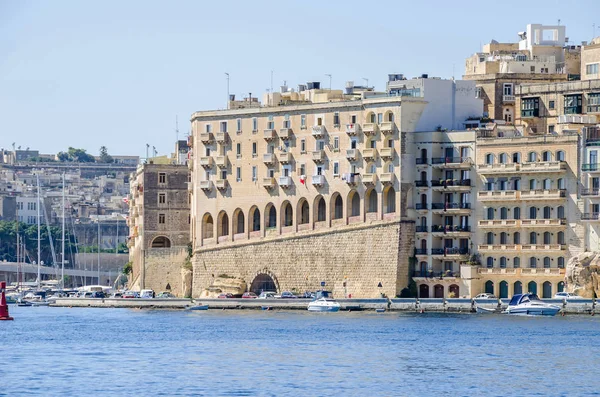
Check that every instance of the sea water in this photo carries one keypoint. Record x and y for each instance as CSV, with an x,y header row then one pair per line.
x,y
122,352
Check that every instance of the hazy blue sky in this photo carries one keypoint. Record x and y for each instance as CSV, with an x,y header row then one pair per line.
x,y
117,73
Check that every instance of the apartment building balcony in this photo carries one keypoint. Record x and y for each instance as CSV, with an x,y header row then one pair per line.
x,y
551,194
285,133
544,166
350,178
221,184
593,167
496,270
508,98
269,134
387,178
386,153
369,179
451,162
498,223
437,275
421,162
457,208
318,156
543,248
497,248
422,206
222,137
268,183
421,251
318,131
387,128
590,217
221,161
577,119
352,129
351,154
450,231
451,184
450,253
269,158
498,196
555,271
206,137
487,169
206,185
422,184
421,229
543,223
285,181
590,192
318,180
370,128
519,223
369,154
285,158
206,161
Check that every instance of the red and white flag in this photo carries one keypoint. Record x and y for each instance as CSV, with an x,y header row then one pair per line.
x,y
126,200
303,179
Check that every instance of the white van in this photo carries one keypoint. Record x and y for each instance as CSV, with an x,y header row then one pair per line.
x,y
146,294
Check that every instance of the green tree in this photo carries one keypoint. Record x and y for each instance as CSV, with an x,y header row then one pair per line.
x,y
104,156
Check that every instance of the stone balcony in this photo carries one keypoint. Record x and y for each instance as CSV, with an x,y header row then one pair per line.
x,y
386,153
221,184
222,137
206,185
352,129
318,180
387,178
450,231
544,223
221,161
318,131
206,137
369,179
351,154
369,154
451,184
544,166
285,181
542,248
269,134
590,217
508,98
269,158
387,128
508,168
370,128
318,156
285,158
452,162
539,194
497,248
206,161
285,133
268,183
520,271
501,195
450,253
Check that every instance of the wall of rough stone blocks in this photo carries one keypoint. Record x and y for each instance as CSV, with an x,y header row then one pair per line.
x,y
362,256
163,266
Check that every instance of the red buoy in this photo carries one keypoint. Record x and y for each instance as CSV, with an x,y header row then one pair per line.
x,y
3,306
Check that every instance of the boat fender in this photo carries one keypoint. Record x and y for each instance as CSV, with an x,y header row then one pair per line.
x,y
593,313
422,311
562,313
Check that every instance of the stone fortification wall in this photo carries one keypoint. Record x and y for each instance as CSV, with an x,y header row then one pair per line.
x,y
361,256
164,267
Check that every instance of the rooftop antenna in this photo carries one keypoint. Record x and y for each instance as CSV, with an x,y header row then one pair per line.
x,y
329,75
227,74
366,81
559,22
271,81
154,151
147,148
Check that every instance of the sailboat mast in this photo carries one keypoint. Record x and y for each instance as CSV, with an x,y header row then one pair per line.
x,y
62,272
39,247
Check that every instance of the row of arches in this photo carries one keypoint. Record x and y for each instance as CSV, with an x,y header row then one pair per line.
x,y
503,290
438,291
288,215
515,158
371,117
533,262
533,212
505,238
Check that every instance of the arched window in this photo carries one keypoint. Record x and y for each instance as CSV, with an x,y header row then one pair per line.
x,y
490,238
516,263
517,213
161,242
503,158
560,184
546,156
223,225
517,238
560,238
561,262
490,213
239,221
503,238
532,262
489,287
547,211
532,287
287,214
531,157
503,213
547,184
546,262
321,213
423,244
489,158
532,184
371,201
355,203
390,201
423,176
560,155
208,227
560,212
532,238
304,213
518,287
532,213
490,262
272,218
503,262
255,214
338,207
517,184
547,238
516,158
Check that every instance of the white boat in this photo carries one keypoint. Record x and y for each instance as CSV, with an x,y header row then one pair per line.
x,y
530,305
324,302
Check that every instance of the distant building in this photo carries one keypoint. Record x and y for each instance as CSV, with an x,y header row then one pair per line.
x,y
8,207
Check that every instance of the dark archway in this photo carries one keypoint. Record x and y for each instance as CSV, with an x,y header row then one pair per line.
x,y
263,282
547,290
337,207
518,288
303,210
532,287
161,242
239,221
353,203
489,287
503,289
454,291
255,219
271,218
423,291
320,211
438,291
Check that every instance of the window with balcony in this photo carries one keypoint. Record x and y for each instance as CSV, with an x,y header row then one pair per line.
x,y
547,184
508,89
593,102
489,262
208,128
546,262
533,238
560,212
489,238
573,104
286,121
516,213
516,262
379,118
503,158
516,158
489,158
532,157
517,184
560,183
517,238
532,212
270,123
502,262
490,214
561,262
223,174
532,184
546,156
530,107
503,238
223,125
547,212
532,263
503,213
353,119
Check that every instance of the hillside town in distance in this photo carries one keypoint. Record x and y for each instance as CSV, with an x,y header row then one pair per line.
x,y
428,187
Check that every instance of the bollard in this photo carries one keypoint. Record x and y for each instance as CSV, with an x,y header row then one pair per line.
x,y
3,306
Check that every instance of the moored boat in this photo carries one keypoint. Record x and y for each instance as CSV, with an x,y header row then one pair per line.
x,y
197,307
530,305
323,302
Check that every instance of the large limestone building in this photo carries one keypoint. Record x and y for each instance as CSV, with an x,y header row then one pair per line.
x,y
314,189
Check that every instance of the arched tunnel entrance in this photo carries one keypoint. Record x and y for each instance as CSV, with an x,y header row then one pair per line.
x,y
263,282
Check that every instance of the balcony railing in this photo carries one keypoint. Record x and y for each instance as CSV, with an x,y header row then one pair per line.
x,y
594,167
386,178
221,137
268,158
221,184
421,229
269,134
318,180
449,251
387,128
318,156
450,229
432,274
206,185
386,152
369,154
421,161
450,182
351,154
370,128
369,179
508,98
421,206
577,118
451,206
206,161
285,181
421,251
285,133
543,194
269,183
206,137
285,158
590,216
318,131
350,178
422,183
590,192
221,161
451,160
352,129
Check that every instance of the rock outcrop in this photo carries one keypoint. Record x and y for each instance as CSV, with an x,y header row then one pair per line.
x,y
235,286
583,274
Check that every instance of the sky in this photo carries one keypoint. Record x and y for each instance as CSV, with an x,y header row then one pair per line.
x,y
119,74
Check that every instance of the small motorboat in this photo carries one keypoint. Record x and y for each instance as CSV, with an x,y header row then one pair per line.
x,y
530,305
487,310
197,307
323,302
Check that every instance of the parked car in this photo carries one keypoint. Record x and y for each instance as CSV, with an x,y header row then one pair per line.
x,y
308,295
486,296
287,295
225,296
130,295
117,295
266,295
147,294
165,295
98,294
566,296
249,295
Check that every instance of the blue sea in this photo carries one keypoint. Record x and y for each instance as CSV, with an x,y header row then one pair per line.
x,y
122,352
